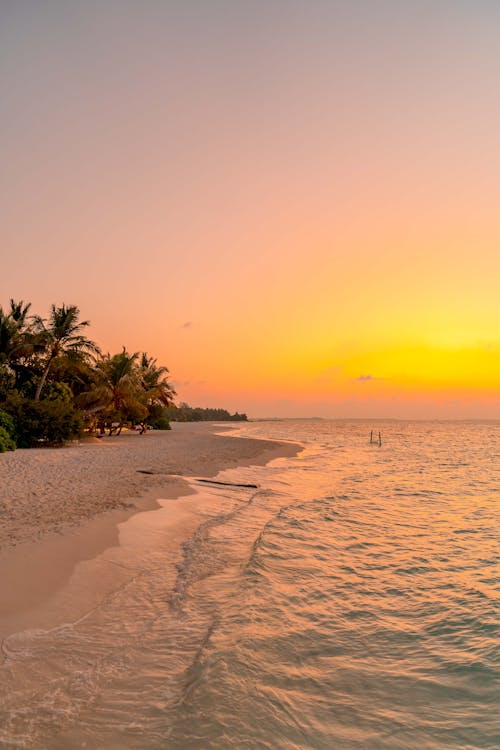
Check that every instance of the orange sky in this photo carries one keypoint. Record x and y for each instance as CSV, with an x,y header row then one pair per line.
x,y
292,204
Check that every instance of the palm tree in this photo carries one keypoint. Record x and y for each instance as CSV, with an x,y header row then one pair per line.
x,y
62,335
19,311
117,391
155,383
8,331
158,392
14,332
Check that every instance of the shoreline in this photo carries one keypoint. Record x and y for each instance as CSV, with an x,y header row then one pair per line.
x,y
50,490
55,573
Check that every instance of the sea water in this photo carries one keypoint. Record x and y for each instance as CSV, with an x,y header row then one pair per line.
x,y
350,600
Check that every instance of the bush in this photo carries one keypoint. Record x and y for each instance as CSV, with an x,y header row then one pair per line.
x,y
6,441
161,423
58,392
157,418
48,422
7,382
7,432
7,423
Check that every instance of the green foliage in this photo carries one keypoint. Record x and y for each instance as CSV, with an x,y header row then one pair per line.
x,y
15,341
117,395
75,371
6,441
62,335
48,422
7,432
52,355
162,424
7,382
157,418
186,413
59,392
127,389
7,423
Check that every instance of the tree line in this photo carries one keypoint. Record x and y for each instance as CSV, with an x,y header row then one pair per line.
x,y
55,382
186,413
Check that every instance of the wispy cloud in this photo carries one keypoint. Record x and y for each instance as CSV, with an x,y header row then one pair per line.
x,y
187,324
186,383
365,379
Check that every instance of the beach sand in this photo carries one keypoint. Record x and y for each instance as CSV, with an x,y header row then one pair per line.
x,y
61,509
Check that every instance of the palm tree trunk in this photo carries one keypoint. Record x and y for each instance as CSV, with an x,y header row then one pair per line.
x,y
43,378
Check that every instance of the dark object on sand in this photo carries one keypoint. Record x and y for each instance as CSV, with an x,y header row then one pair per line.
x,y
228,484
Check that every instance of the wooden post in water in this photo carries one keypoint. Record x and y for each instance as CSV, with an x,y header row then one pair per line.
x,y
379,440
371,437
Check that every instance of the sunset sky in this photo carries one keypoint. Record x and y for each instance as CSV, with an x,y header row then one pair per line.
x,y
293,204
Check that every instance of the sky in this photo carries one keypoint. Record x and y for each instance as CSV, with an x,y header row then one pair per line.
x,y
292,204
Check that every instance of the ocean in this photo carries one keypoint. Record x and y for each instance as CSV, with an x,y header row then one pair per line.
x,y
348,601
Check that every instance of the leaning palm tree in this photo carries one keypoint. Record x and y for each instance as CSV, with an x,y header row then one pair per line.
x,y
62,335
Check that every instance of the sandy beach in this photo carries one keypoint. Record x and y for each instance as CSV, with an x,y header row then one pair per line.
x,y
50,490
61,507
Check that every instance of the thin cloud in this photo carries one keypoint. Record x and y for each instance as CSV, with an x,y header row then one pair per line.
x,y
187,324
365,379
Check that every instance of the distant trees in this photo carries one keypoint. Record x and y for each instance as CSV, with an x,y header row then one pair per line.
x,y
186,413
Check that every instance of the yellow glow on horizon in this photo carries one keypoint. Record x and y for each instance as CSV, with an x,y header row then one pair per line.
x,y
358,369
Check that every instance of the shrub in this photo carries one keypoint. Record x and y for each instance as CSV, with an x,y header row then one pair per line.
x,y
58,392
157,418
7,432
6,441
161,423
7,423
47,422
7,382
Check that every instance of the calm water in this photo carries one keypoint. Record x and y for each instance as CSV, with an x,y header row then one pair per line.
x,y
351,601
